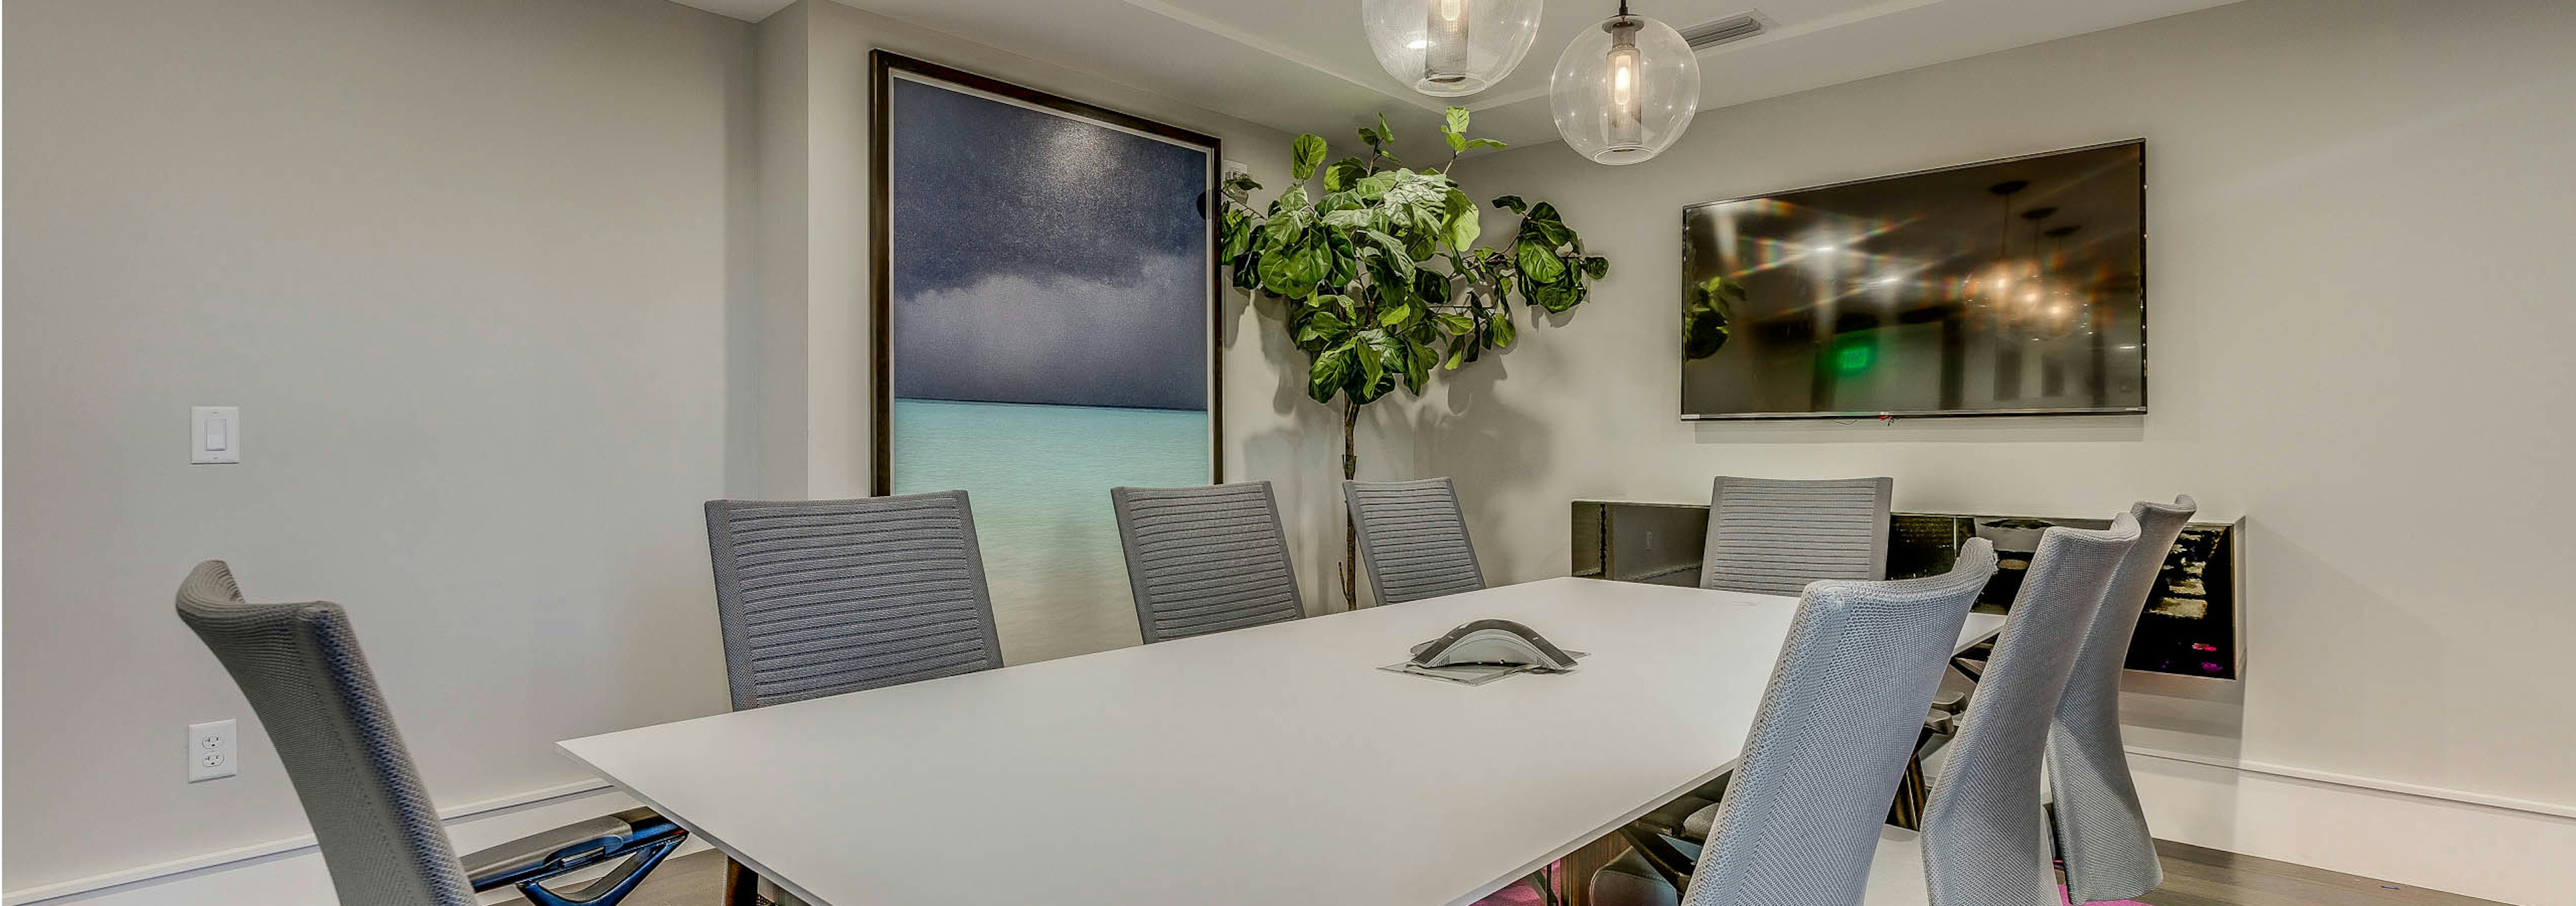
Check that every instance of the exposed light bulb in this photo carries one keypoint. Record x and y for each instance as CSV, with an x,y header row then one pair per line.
x,y
1625,113
1624,89
1444,59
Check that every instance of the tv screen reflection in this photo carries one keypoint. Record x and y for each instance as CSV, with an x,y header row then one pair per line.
x,y
2012,287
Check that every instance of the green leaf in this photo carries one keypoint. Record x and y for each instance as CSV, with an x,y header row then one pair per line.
x,y
1385,349
1371,354
1415,204
1431,286
1538,263
1458,221
1343,173
1400,265
1385,132
1351,219
1331,370
1454,322
1242,184
1486,143
1237,232
1293,259
1375,185
1305,154
1556,296
1322,326
1454,128
1596,267
1342,258
1550,228
1292,200
1374,390
1284,275
1396,315
1512,203
1501,331
1417,367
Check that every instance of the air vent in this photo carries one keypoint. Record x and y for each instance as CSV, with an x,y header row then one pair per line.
x,y
1723,31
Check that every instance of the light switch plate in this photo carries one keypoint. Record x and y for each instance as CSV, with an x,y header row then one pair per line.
x,y
214,434
210,751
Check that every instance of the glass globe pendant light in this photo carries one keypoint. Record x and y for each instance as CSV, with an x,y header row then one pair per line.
x,y
1625,90
1448,48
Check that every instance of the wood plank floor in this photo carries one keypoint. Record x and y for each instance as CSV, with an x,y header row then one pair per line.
x,y
2193,877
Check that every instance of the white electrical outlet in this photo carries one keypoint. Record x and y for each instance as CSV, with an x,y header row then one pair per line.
x,y
210,751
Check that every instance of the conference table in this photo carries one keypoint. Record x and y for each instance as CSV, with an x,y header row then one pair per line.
x,y
1272,765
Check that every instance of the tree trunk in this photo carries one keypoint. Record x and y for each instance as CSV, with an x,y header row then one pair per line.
x,y
1350,528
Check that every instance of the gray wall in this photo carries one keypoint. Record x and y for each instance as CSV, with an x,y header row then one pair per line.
x,y
504,290
465,266
2358,308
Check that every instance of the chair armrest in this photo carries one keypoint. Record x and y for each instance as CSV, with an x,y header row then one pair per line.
x,y
569,848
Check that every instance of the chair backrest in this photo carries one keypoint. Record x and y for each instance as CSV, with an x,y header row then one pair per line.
x,y
2101,830
300,667
1205,560
1985,839
821,597
1413,539
1772,537
1846,702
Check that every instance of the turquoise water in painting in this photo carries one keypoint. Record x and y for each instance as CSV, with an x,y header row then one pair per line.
x,y
1038,478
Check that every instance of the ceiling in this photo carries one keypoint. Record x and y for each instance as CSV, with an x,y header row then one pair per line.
x,y
1304,66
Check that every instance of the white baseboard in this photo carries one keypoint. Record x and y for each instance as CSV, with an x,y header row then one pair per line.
x,y
289,872
2491,847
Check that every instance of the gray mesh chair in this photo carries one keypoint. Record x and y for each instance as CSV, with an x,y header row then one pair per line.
x,y
1985,838
1801,817
1205,560
301,669
1772,537
822,597
1413,539
2101,830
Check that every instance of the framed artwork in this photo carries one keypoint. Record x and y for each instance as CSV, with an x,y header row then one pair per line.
x,y
1045,309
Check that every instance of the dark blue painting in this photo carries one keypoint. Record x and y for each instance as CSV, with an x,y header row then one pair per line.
x,y
1049,337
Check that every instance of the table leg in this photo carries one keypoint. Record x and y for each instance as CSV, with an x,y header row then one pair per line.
x,y
742,885
1574,872
1911,793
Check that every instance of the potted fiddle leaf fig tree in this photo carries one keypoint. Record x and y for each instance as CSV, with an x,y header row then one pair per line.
x,y
1380,277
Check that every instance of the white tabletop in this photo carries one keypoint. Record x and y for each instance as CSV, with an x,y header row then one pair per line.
x,y
1273,765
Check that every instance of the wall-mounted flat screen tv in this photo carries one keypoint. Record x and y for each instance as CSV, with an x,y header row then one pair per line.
x,y
2014,287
